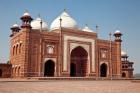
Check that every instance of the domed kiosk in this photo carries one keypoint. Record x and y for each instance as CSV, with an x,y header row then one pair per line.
x,y
87,29
38,23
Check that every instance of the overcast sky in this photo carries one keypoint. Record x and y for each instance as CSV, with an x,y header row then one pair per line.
x,y
110,15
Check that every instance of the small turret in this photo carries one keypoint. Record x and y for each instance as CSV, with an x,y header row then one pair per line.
x,y
118,41
26,20
15,29
124,56
118,35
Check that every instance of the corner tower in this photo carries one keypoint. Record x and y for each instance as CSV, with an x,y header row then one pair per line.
x,y
25,38
118,41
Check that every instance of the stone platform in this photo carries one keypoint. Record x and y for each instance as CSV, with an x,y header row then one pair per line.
x,y
68,86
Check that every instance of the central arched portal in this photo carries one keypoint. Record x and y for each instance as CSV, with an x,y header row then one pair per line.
x,y
103,70
78,65
49,68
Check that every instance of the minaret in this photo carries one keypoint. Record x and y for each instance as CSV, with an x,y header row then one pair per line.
x,y
26,31
15,29
118,41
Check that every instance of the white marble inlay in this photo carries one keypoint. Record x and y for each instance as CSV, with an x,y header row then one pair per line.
x,y
82,39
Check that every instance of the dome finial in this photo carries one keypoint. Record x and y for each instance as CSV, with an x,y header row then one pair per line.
x,y
39,15
97,28
26,10
64,9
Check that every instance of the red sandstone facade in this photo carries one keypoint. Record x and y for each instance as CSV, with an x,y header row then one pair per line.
x,y
5,70
65,52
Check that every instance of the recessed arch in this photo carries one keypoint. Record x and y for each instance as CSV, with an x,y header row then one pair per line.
x,y
123,74
14,50
78,64
103,70
0,72
72,69
20,47
18,71
17,49
49,68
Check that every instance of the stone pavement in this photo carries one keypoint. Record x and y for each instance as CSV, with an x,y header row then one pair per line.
x,y
65,86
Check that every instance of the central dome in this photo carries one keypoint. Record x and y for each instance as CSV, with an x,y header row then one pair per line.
x,y
67,22
36,24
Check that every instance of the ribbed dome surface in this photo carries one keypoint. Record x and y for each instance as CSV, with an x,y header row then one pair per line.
x,y
67,22
36,24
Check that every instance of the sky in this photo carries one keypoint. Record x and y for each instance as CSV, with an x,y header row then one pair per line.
x,y
110,15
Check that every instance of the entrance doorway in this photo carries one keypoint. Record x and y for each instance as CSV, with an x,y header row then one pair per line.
x,y
0,72
49,68
78,65
73,69
103,70
123,75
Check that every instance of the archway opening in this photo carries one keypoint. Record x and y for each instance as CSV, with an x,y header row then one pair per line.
x,y
73,69
19,71
123,75
0,72
103,70
49,68
78,65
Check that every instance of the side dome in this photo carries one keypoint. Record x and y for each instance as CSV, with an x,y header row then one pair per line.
x,y
87,29
36,24
123,54
67,22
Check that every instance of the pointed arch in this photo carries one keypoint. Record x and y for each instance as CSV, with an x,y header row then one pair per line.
x,y
103,70
20,47
78,65
18,71
17,49
123,74
14,50
0,72
49,68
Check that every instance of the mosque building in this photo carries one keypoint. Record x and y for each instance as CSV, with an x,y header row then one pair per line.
x,y
64,50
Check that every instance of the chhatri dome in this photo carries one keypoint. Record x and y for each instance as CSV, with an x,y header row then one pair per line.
x,y
15,25
36,24
87,29
26,14
123,53
117,32
67,22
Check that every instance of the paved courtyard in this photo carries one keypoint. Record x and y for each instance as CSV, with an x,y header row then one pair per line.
x,y
63,86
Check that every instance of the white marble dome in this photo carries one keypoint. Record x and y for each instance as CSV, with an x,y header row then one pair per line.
x,y
36,24
117,31
87,29
26,14
67,22
15,25
123,53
